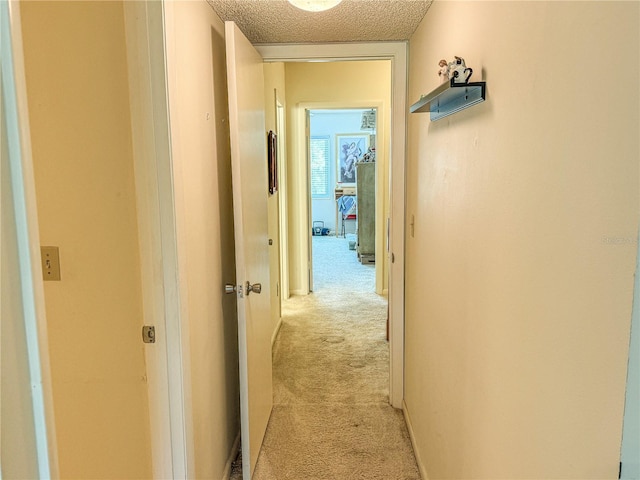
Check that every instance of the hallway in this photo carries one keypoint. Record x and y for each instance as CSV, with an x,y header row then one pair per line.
x,y
513,227
331,416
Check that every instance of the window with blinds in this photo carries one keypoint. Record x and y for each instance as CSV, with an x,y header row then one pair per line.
x,y
320,167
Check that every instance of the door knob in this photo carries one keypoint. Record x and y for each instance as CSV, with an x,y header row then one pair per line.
x,y
255,288
229,288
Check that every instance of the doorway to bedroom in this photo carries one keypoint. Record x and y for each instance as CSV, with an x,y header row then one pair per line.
x,y
342,171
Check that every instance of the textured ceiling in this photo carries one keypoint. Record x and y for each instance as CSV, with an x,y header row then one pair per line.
x,y
277,21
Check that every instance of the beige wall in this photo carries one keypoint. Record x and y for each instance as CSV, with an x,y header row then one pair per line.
x,y
274,84
335,85
520,272
75,60
204,217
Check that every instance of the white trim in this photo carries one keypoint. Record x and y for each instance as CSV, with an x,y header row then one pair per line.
x,y
283,206
167,368
149,231
420,463
397,53
14,94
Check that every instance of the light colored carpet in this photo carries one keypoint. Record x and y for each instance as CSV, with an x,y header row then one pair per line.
x,y
331,418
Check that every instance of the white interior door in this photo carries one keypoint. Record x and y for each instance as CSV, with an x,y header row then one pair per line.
x,y
245,77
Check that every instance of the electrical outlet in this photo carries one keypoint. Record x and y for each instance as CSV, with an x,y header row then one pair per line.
x,y
50,263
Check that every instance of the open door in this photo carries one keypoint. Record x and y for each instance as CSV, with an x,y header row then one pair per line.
x,y
245,78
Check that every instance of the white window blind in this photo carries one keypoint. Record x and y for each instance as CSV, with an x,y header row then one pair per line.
x,y
320,170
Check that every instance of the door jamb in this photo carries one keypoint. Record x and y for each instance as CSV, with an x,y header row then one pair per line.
x,y
146,26
13,93
397,53
282,200
307,196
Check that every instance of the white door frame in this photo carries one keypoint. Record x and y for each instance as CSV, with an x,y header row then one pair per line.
x,y
13,95
306,140
167,368
283,222
397,53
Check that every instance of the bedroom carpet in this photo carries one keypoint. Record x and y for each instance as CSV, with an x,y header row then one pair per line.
x,y
331,418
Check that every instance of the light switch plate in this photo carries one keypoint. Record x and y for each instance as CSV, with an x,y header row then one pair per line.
x,y
50,263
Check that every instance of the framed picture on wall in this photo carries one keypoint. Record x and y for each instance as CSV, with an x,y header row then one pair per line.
x,y
272,162
349,149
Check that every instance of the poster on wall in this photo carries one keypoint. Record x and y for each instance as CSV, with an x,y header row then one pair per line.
x,y
349,149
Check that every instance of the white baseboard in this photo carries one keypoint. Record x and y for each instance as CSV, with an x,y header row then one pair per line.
x,y
385,292
232,456
416,452
299,292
